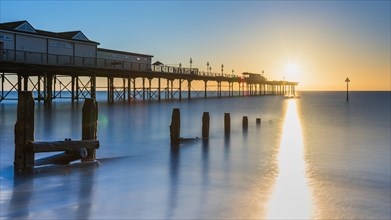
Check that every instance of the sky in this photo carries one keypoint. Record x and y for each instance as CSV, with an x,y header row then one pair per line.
x,y
317,43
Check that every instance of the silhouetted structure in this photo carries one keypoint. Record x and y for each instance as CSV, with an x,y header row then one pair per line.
x,y
67,64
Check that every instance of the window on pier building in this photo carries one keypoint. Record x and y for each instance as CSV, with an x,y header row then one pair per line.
x,y
80,36
26,27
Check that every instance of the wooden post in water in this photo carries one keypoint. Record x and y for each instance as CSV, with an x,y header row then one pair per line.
x,y
205,125
227,123
89,125
24,132
245,122
258,121
175,127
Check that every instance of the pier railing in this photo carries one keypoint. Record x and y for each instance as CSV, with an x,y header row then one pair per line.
x,y
27,57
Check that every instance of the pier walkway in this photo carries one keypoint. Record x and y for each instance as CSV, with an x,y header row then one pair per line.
x,y
52,76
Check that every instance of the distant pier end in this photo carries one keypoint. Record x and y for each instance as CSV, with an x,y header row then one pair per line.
x,y
56,65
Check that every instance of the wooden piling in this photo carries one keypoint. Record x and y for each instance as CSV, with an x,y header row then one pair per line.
x,y
245,122
258,121
24,132
175,127
205,125
227,123
89,125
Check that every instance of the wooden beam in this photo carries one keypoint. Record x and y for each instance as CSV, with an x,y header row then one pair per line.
x,y
59,159
68,146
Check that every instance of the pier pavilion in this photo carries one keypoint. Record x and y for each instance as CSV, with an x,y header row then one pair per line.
x,y
67,64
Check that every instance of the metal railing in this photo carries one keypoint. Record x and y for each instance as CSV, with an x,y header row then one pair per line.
x,y
28,57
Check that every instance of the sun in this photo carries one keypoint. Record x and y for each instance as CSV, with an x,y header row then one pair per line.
x,y
291,71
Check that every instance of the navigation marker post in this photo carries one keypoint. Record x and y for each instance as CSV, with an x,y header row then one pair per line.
x,y
347,80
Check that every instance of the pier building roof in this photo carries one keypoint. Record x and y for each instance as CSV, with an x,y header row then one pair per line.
x,y
26,27
124,52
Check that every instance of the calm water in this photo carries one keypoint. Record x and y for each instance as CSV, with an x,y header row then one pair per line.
x,y
312,157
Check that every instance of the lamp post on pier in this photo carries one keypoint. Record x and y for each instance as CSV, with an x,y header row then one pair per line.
x,y
222,69
191,61
207,66
347,80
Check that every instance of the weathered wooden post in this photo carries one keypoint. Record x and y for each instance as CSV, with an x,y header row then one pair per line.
x,y
227,123
24,132
245,122
205,125
175,127
89,125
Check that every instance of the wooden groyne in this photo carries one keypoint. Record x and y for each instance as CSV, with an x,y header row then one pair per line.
x,y
175,127
26,147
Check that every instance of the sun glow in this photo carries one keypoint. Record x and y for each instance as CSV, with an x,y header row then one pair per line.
x,y
291,198
291,71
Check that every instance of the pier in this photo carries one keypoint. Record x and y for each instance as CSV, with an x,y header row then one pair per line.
x,y
75,81
67,65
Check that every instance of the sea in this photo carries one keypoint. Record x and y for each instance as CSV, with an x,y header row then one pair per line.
x,y
314,156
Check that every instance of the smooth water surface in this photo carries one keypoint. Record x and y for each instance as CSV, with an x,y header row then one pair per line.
x,y
328,157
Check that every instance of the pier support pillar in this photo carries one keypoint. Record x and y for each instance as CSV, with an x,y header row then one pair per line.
x,y
129,89
158,90
219,89
2,86
39,96
143,92
93,87
172,89
168,89
189,89
123,96
110,87
48,89
134,89
206,88
25,83
150,89
239,89
77,88
72,88
294,90
180,89
19,84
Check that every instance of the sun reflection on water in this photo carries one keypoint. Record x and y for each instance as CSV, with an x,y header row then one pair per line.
x,y
291,197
